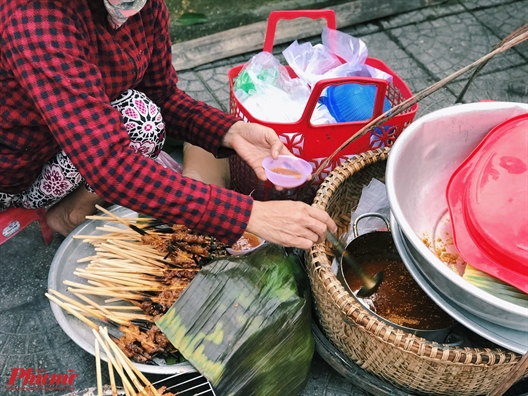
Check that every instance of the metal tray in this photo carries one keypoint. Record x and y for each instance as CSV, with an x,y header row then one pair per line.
x,y
62,267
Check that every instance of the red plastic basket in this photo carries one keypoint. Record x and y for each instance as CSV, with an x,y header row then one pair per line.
x,y
315,143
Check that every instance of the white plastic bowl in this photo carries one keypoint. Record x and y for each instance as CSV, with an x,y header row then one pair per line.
x,y
287,171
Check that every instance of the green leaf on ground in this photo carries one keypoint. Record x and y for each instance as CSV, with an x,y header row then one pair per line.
x,y
192,18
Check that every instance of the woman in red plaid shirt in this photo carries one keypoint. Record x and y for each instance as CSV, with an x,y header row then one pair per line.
x,y
88,91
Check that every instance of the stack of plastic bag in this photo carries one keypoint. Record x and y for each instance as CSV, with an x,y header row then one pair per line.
x,y
264,78
266,89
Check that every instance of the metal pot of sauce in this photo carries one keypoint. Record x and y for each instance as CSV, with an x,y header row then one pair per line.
x,y
399,301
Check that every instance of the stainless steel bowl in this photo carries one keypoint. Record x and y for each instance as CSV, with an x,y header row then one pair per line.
x,y
418,168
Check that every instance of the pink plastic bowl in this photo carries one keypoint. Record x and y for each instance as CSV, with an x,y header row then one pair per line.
x,y
287,171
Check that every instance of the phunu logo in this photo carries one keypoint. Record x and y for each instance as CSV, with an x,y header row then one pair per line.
x,y
28,380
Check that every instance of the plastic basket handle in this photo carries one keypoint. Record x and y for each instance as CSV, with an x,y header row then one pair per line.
x,y
275,16
319,86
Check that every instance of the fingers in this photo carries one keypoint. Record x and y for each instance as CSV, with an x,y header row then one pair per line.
x,y
325,218
261,174
290,223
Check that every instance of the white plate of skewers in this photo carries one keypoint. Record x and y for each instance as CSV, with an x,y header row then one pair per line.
x,y
66,273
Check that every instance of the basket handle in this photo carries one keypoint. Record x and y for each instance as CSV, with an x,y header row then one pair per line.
x,y
319,86
275,16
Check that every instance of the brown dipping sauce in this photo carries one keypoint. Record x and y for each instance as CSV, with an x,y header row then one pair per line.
x,y
287,172
399,299
246,242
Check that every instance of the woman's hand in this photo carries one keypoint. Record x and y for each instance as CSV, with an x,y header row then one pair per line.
x,y
254,142
290,223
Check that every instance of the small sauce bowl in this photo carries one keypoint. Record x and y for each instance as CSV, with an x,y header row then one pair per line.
x,y
287,171
247,243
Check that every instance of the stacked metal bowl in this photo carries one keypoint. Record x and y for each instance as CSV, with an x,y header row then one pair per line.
x,y
419,168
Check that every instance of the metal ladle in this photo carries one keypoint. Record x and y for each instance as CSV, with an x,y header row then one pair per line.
x,y
370,284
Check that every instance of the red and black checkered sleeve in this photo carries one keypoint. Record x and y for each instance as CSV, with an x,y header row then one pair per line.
x,y
185,118
46,45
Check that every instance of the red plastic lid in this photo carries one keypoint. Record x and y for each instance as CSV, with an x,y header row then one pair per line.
x,y
487,198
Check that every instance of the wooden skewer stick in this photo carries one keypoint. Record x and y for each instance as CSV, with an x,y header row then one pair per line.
x,y
76,304
125,296
136,284
106,315
129,317
115,299
130,255
122,220
118,265
118,231
135,219
100,290
121,273
110,356
98,369
68,309
122,308
127,365
112,378
133,367
89,238
92,283
132,270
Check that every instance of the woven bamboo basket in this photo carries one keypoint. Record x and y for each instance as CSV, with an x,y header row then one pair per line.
x,y
404,360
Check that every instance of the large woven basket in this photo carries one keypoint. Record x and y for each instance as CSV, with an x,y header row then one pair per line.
x,y
405,360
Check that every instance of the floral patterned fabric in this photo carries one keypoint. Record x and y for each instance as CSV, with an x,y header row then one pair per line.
x,y
59,177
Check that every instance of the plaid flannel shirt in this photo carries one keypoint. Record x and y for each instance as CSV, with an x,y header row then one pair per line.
x,y
61,64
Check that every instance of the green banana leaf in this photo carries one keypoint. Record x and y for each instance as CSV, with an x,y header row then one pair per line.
x,y
495,286
244,322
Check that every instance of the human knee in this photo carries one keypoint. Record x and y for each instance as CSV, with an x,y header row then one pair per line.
x,y
143,120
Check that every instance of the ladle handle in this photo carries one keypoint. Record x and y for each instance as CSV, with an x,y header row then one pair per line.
x,y
341,250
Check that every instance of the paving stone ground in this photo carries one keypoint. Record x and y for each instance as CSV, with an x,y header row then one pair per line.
x,y
421,46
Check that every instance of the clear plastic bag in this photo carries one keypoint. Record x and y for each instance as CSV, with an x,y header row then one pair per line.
x,y
268,92
340,55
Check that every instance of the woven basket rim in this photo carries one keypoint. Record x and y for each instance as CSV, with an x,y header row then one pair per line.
x,y
354,312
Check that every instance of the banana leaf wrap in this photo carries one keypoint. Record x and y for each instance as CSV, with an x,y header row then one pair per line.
x,y
244,322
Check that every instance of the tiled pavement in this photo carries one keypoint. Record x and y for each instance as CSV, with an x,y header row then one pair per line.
x,y
421,47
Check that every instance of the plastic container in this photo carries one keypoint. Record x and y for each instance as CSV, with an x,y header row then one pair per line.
x,y
315,143
487,198
352,102
287,171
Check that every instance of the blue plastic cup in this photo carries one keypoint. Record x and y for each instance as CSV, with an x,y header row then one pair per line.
x,y
352,102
